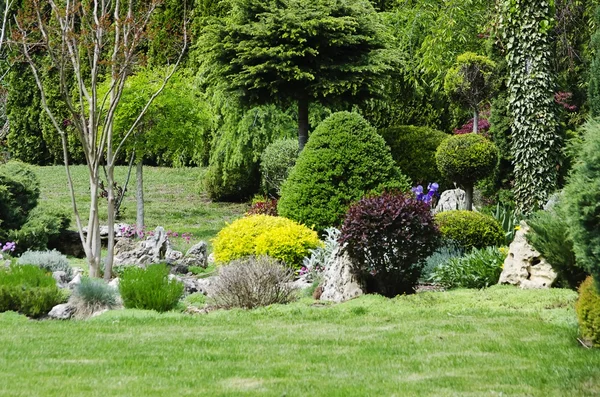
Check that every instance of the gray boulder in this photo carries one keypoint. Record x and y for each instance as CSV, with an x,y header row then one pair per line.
x,y
340,284
75,282
453,199
524,266
143,253
61,278
63,311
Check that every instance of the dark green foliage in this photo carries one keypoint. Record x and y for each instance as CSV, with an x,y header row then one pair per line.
x,y
388,237
594,82
276,163
508,219
43,226
149,288
413,149
470,229
344,160
549,235
19,193
49,261
478,269
582,202
28,290
588,311
93,295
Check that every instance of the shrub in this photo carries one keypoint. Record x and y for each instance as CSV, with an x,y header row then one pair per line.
x,y
149,288
42,227
448,250
275,164
582,196
588,311
413,149
470,229
28,290
549,235
389,236
51,261
263,207
253,282
258,235
343,160
19,193
478,269
465,159
321,257
93,295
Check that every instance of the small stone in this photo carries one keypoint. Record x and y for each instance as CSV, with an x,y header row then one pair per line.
x,y
98,313
61,279
63,311
75,282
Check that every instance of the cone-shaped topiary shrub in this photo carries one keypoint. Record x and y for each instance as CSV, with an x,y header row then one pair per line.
x,y
588,311
343,160
469,229
465,159
389,237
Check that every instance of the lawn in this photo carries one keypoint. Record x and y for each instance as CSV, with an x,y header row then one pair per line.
x,y
499,341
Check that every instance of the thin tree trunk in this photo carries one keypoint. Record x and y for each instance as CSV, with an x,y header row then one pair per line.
x,y
475,120
469,198
302,120
139,196
93,244
110,180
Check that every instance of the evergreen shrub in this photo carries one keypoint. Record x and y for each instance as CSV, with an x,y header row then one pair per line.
x,y
19,194
149,288
50,261
388,237
258,235
343,160
588,311
478,269
42,227
275,164
469,229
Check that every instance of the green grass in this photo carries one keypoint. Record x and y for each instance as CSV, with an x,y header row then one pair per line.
x,y
174,199
500,341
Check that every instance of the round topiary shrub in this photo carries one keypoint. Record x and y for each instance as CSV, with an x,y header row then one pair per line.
x,y
343,160
413,149
588,311
389,237
470,229
465,159
19,194
259,235
275,164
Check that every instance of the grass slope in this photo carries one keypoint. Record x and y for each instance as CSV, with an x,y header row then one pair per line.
x,y
500,341
174,199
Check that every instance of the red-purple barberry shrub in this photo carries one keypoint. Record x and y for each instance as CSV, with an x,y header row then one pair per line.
x,y
263,207
388,237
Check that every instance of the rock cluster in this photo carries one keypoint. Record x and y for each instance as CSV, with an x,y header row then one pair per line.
x,y
340,284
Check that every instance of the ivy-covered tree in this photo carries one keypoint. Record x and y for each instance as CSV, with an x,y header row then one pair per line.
x,y
594,82
297,51
527,28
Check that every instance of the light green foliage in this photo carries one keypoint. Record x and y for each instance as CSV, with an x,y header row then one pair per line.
x,y
549,235
276,161
470,229
588,311
50,261
509,219
19,193
28,290
527,28
44,225
93,295
480,268
321,257
149,288
413,149
259,235
582,202
344,160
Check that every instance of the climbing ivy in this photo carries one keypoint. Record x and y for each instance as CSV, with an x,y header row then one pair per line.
x,y
535,141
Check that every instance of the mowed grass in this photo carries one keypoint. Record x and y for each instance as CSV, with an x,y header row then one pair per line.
x,y
174,198
499,341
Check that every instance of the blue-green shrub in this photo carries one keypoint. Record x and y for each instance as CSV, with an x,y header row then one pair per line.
x,y
93,295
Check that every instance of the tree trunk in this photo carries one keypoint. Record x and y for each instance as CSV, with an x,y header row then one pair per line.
x,y
475,120
302,120
93,245
139,196
469,198
110,181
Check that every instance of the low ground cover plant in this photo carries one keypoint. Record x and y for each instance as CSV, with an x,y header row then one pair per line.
x,y
50,261
253,282
478,269
446,251
469,229
388,237
93,295
29,290
149,288
259,235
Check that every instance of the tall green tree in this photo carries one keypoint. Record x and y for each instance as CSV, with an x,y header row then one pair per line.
x,y
298,51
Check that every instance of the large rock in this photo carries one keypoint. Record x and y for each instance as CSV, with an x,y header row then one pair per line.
x,y
524,266
340,284
62,312
454,199
142,253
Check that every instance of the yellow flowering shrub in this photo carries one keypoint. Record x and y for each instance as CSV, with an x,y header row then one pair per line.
x,y
259,235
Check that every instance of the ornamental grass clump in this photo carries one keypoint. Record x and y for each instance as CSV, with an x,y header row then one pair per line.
x,y
93,295
149,288
388,237
253,282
